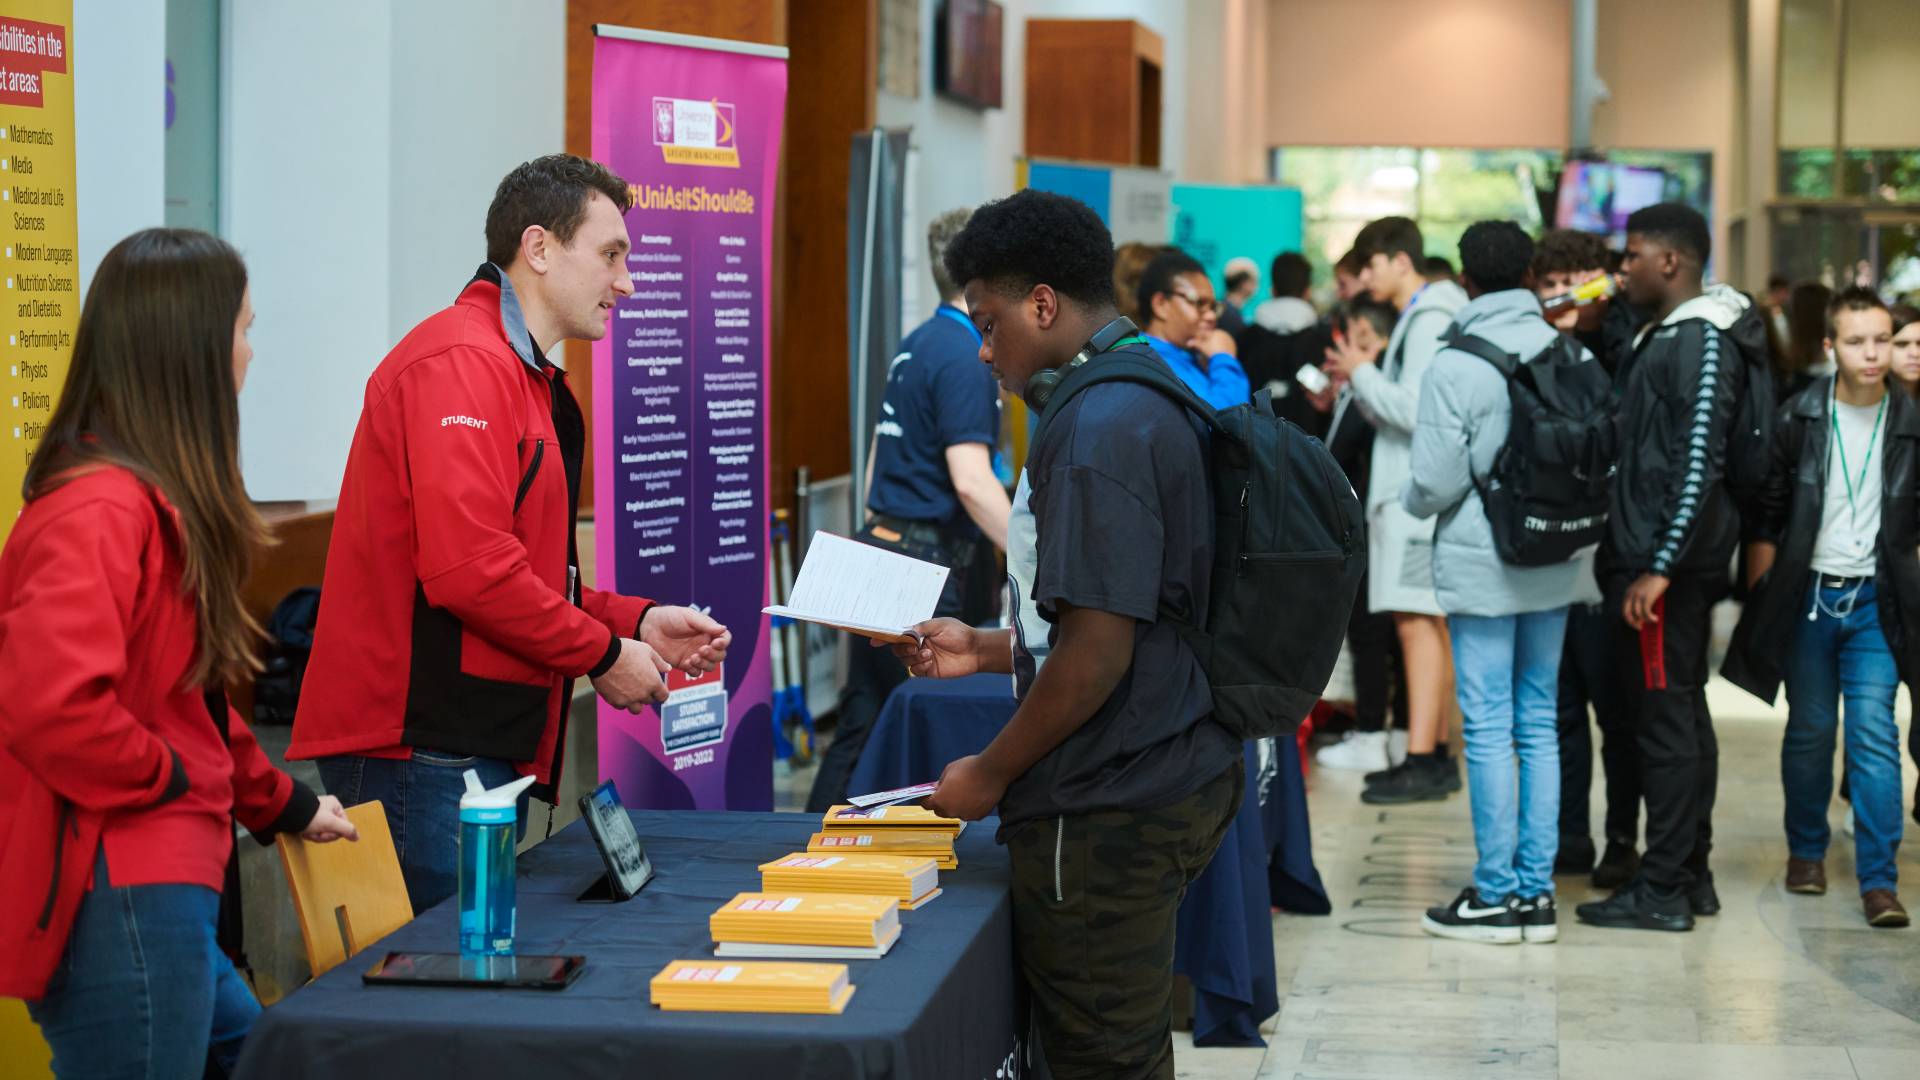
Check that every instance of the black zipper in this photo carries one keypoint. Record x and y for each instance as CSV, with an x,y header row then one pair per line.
x,y
59,852
1329,555
526,482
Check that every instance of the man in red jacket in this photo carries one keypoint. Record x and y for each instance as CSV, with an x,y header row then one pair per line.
x,y
452,621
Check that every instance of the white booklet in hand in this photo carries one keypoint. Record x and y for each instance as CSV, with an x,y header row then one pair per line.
x,y
863,589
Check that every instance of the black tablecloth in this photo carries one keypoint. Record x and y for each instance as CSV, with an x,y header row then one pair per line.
x,y
1225,942
946,1002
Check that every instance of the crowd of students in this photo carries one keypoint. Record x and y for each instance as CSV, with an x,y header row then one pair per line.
x,y
1751,466
453,622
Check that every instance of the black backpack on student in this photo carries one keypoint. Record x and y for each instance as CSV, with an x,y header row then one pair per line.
x,y
1289,548
1546,496
276,690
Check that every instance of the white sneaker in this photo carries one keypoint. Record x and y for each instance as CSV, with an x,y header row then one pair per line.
x,y
1358,751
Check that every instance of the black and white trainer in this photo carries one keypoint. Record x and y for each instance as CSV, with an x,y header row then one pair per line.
x,y
1470,918
1539,923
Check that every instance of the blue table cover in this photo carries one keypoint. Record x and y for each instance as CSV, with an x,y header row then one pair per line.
x,y
946,1002
1224,941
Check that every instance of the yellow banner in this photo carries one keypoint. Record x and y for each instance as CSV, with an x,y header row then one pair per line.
x,y
40,304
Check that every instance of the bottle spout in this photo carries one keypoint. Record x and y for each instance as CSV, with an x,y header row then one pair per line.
x,y
503,797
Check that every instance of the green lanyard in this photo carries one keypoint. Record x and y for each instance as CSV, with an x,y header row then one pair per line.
x,y
1833,416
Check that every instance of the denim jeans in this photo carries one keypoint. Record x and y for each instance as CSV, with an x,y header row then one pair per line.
x,y
422,799
143,989
1507,668
1833,659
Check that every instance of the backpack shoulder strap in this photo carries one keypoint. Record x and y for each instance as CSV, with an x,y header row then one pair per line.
x,y
1503,361
1126,366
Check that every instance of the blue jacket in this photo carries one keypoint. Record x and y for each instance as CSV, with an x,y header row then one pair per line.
x,y
1223,384
1463,421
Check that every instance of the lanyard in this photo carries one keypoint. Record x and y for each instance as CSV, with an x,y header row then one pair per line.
x,y
954,314
1833,416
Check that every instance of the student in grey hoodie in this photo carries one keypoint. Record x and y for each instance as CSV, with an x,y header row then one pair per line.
x,y
1506,622
1385,386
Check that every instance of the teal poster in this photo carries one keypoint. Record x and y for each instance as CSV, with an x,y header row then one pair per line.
x,y
1215,223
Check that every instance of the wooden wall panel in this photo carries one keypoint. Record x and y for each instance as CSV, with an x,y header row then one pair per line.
x,y
763,21
834,68
830,95
1085,99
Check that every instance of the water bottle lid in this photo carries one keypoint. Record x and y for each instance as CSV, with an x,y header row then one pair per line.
x,y
491,806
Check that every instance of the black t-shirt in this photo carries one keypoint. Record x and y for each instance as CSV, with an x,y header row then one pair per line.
x,y
939,394
1123,511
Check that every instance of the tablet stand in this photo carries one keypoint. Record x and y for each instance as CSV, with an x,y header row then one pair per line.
x,y
601,891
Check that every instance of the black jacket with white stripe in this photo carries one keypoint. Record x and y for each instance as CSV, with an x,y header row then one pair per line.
x,y
1671,512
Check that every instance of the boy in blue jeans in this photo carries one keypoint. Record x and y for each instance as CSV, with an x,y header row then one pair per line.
x,y
1506,622
1836,585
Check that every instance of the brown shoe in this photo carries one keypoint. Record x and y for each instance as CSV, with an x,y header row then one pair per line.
x,y
1883,909
1807,876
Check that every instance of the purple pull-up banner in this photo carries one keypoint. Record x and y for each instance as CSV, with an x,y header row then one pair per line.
x,y
680,397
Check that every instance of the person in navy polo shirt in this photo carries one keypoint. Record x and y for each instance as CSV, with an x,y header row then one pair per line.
x,y
1181,320
931,491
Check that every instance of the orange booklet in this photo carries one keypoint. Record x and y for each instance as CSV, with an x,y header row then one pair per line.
x,y
751,986
912,881
848,919
897,816
921,843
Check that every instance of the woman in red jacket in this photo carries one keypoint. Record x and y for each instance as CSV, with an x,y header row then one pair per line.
x,y
122,768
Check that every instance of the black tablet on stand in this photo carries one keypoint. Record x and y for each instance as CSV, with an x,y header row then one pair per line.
x,y
628,868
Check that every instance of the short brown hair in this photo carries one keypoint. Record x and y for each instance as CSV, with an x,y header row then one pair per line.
x,y
940,233
1392,236
551,192
1853,298
1568,251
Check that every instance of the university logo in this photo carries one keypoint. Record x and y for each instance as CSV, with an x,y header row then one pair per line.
x,y
695,132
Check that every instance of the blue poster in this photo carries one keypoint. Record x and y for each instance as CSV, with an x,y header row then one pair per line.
x,y
1215,223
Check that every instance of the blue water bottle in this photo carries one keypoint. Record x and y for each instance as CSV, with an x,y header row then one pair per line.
x,y
487,820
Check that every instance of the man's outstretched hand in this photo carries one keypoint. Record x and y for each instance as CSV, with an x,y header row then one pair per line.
x,y
686,639
947,649
637,679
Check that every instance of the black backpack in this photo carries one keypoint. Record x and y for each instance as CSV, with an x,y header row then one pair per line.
x,y
276,690
1289,548
1546,496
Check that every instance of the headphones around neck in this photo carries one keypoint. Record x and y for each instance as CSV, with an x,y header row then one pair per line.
x,y
1040,388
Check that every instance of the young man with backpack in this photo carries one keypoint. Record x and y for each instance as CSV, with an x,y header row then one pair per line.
x,y
1694,390
1114,781
1121,770
1386,388
1836,589
1504,564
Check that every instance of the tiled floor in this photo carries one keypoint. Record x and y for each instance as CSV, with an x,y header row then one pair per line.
x,y
1774,986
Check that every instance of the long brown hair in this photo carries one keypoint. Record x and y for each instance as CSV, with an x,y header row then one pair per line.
x,y
151,388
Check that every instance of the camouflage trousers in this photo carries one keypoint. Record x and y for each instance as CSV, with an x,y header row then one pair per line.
x,y
1094,899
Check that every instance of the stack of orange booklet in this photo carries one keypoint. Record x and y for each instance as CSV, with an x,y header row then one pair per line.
x,y
745,986
911,881
819,926
913,843
898,816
